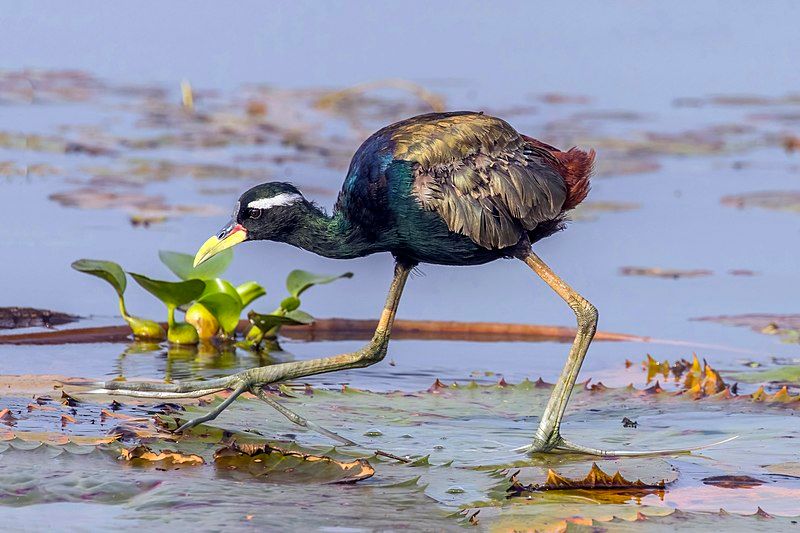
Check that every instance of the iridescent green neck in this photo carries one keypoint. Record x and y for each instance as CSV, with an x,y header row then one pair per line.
x,y
330,236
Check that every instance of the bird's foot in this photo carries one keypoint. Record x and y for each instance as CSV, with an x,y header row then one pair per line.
x,y
239,383
558,444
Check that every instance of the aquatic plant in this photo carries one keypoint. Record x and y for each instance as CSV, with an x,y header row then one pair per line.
x,y
112,273
212,305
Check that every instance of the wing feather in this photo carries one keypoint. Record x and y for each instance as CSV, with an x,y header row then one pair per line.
x,y
481,176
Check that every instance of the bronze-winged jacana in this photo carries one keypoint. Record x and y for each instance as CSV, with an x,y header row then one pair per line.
x,y
445,188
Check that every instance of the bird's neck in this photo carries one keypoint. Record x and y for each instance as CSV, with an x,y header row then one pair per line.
x,y
330,236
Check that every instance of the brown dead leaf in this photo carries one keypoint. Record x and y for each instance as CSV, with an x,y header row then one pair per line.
x,y
772,200
40,407
595,479
105,413
665,273
703,381
789,468
769,324
277,464
7,417
68,400
733,482
55,439
791,143
143,456
27,317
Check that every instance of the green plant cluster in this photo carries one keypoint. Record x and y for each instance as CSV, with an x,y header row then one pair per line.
x,y
213,306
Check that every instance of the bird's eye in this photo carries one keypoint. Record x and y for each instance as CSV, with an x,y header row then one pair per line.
x,y
254,213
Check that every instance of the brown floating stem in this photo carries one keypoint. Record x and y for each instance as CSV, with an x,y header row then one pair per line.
x,y
350,329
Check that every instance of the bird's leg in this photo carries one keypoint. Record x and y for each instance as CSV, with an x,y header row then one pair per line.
x,y
255,378
299,420
548,435
214,413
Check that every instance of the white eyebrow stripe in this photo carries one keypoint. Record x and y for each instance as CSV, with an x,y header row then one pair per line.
x,y
281,199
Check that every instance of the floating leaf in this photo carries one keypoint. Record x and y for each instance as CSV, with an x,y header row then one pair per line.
x,y
57,438
182,264
595,479
105,270
172,293
7,417
27,317
298,281
772,200
733,482
663,272
143,456
789,468
280,465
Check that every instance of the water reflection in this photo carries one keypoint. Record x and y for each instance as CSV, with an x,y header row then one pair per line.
x,y
185,362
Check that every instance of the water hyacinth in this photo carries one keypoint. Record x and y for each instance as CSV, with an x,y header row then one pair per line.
x,y
213,306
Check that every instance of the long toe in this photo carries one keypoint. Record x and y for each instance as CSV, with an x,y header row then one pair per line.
x,y
565,446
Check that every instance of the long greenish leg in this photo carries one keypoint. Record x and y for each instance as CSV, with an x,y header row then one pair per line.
x,y
211,415
253,378
299,420
548,435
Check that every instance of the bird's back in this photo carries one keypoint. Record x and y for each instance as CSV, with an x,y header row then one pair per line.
x,y
475,173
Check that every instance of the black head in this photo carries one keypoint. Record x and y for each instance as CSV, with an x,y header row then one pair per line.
x,y
268,211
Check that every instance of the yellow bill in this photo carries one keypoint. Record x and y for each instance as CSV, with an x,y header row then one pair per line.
x,y
231,235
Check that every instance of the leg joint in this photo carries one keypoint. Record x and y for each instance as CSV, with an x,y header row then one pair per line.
x,y
375,351
585,312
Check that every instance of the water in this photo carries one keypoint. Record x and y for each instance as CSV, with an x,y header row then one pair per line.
x,y
623,56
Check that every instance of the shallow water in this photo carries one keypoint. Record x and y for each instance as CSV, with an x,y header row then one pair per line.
x,y
630,63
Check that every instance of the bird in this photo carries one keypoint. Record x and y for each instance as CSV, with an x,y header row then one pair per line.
x,y
456,188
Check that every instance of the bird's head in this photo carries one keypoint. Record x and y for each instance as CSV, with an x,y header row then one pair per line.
x,y
265,212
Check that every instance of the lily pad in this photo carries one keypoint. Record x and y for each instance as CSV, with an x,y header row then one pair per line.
x,y
667,273
27,317
277,465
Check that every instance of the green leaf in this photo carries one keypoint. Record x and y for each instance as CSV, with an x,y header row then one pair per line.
x,y
172,293
290,303
301,317
181,264
780,374
249,291
298,281
267,322
106,270
223,301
